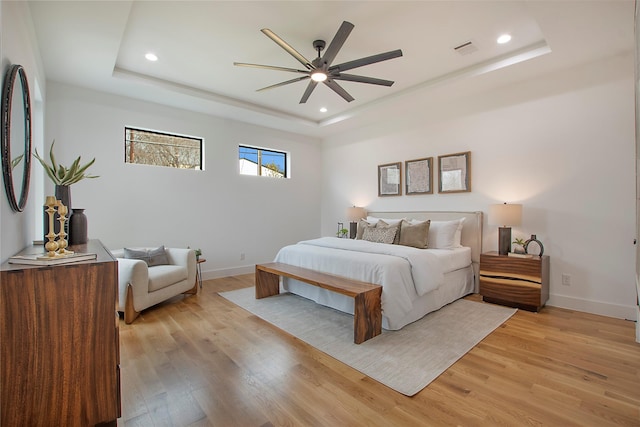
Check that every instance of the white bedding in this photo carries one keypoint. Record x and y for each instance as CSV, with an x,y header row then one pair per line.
x,y
406,274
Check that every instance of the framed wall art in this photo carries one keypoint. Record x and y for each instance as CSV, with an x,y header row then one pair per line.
x,y
390,179
418,176
454,173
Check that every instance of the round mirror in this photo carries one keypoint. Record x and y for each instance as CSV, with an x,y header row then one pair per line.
x,y
16,136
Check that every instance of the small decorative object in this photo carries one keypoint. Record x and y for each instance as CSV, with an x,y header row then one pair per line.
x,y
51,246
518,246
390,179
78,227
62,218
454,171
198,253
535,242
419,173
342,232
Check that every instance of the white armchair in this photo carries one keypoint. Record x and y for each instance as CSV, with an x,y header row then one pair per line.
x,y
141,286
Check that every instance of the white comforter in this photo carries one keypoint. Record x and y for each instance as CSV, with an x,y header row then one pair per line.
x,y
405,273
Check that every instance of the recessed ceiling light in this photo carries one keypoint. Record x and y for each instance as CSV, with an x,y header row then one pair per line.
x,y
323,110
151,56
505,38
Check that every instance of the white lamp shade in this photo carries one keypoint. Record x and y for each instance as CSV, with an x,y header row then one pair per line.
x,y
355,214
504,214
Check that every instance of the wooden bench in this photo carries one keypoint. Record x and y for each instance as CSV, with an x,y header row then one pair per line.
x,y
367,318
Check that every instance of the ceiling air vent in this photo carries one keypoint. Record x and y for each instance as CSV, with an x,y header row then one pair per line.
x,y
465,48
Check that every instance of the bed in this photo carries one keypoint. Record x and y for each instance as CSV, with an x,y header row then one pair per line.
x,y
415,281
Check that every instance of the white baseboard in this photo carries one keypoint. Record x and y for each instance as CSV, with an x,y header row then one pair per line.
x,y
226,272
595,307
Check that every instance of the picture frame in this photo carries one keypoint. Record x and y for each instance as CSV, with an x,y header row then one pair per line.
x,y
390,179
454,173
418,176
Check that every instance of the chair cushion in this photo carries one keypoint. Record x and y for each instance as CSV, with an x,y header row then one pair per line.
x,y
161,276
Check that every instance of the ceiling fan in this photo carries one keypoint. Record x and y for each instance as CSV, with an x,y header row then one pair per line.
x,y
321,70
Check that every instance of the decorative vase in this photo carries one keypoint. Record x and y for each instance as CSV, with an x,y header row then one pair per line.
x,y
78,227
535,240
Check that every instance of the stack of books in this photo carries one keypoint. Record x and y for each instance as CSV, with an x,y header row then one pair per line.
x,y
43,259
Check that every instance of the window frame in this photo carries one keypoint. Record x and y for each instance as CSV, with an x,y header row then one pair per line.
x,y
170,134
287,159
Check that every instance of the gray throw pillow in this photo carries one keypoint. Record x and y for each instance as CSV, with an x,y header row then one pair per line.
x,y
158,257
151,257
414,235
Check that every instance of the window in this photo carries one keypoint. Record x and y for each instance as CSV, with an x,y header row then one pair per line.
x,y
262,162
146,147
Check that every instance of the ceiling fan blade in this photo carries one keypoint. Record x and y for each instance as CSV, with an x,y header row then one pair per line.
x,y
273,36
270,67
339,90
362,79
366,61
337,42
312,85
298,79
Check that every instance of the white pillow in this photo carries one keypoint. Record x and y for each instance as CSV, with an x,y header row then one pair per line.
x,y
444,234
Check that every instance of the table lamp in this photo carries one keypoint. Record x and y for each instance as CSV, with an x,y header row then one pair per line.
x,y
355,214
505,216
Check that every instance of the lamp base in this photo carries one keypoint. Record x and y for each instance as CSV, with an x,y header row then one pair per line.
x,y
353,230
504,240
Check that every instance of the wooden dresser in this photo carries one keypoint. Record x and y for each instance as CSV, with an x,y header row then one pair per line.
x,y
516,282
59,347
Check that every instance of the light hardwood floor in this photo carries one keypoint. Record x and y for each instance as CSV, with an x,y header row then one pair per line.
x,y
202,361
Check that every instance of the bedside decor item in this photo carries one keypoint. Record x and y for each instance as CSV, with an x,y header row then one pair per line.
x,y
355,214
419,176
518,246
390,179
78,227
454,173
342,232
505,216
15,136
535,242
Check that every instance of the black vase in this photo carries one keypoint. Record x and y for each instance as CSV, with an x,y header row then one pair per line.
x,y
78,227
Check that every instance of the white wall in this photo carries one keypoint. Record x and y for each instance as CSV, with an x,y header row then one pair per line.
x,y
561,144
17,230
218,210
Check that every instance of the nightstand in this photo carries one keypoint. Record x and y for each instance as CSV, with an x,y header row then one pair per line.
x,y
513,281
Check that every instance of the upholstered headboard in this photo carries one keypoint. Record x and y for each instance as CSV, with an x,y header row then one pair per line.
x,y
471,229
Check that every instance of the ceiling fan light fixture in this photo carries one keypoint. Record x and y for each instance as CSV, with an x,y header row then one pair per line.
x,y
318,76
504,38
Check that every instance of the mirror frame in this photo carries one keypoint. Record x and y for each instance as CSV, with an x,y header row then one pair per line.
x,y
14,71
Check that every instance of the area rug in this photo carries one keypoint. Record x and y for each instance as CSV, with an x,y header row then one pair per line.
x,y
406,360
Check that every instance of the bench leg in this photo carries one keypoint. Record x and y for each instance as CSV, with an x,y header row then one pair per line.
x,y
267,284
367,319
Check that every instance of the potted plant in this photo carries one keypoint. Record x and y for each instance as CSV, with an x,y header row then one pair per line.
x,y
62,176
342,233
518,246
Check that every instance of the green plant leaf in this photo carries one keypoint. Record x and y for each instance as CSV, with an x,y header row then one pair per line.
x,y
60,174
